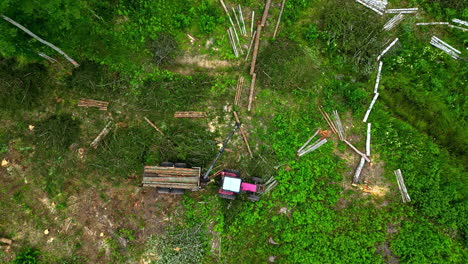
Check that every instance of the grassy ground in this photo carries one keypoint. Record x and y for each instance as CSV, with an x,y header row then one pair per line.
x,y
68,203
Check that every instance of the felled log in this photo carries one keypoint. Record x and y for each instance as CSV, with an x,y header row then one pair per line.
x,y
464,29
357,173
189,114
41,40
401,185
50,59
279,19
227,12
307,142
393,22
251,94
244,137
242,19
402,10
313,147
375,6
387,49
438,43
153,125
366,116
461,22
250,46
237,20
328,120
101,135
265,12
356,150
339,125
102,105
255,49
252,24
368,138
432,23
232,42
377,81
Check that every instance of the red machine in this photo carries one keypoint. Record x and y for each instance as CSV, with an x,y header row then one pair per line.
x,y
232,184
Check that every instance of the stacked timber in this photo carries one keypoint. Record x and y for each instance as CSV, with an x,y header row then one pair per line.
x,y
374,5
401,185
102,105
171,177
189,114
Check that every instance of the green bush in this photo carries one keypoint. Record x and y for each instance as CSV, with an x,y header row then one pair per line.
x,y
27,256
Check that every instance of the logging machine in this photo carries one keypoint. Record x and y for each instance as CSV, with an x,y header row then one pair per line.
x,y
175,178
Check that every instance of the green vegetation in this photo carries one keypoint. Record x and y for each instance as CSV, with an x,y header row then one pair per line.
x,y
137,56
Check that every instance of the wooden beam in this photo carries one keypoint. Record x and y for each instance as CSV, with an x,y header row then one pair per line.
x,y
153,125
101,135
189,114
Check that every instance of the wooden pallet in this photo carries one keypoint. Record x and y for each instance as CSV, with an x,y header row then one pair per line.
x,y
102,105
189,114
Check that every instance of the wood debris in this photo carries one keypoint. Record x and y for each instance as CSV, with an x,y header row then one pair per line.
x,y
102,105
244,137
387,49
279,19
239,88
270,184
306,148
101,135
374,5
41,40
438,43
252,88
328,120
401,185
366,116
189,114
402,10
338,125
153,125
393,22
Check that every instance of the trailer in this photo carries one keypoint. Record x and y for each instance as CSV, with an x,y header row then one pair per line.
x,y
172,178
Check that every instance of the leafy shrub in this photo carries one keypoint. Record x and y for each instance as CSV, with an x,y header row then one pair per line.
x,y
420,243
27,256
164,48
353,37
285,56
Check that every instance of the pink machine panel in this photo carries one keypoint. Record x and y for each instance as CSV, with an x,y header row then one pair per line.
x,y
248,187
